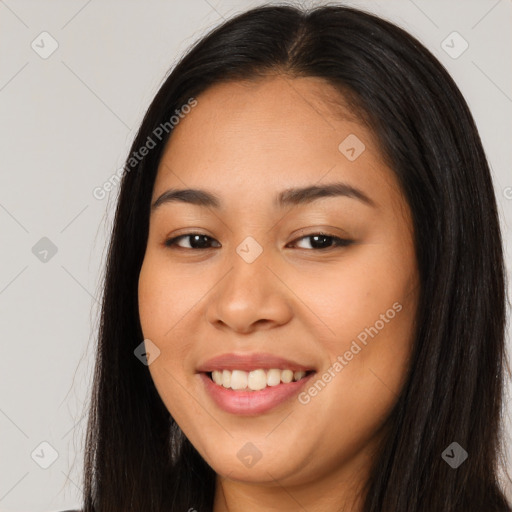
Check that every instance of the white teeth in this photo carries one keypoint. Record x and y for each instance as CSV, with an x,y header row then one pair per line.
x,y
217,377
286,376
273,377
256,379
298,375
238,379
226,378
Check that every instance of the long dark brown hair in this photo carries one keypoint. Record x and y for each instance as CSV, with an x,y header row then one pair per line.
x,y
137,459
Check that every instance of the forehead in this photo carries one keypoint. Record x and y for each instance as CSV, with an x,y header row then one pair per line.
x,y
246,140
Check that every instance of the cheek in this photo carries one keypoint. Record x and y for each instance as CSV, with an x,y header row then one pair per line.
x,y
168,302
352,294
161,307
164,297
354,397
369,305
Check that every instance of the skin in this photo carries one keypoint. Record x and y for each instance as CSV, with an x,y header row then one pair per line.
x,y
245,142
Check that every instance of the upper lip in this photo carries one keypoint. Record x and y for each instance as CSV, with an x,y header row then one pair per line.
x,y
249,362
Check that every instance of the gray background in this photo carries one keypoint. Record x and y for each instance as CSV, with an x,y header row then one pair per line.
x,y
67,123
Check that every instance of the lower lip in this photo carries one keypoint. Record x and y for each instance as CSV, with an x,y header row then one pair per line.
x,y
252,402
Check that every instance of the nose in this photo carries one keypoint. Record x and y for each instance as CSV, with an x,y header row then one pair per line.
x,y
250,297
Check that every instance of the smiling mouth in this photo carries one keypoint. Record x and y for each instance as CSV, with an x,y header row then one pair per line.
x,y
256,380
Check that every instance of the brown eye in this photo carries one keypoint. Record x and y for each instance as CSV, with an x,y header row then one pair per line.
x,y
322,241
197,241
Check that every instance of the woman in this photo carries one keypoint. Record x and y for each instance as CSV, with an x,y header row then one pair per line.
x,y
304,302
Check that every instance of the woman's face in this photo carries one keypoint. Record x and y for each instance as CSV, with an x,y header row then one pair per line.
x,y
262,282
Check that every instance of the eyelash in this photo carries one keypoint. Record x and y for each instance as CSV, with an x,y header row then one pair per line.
x,y
339,242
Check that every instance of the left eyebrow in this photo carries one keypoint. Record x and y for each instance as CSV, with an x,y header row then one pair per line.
x,y
291,196
297,196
